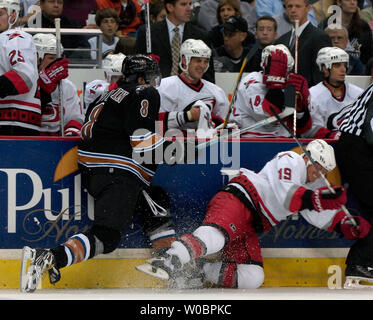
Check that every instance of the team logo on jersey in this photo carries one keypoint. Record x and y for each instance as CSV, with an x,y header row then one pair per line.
x,y
15,35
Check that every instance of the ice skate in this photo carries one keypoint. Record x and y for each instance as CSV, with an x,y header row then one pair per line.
x,y
190,277
39,260
356,276
162,267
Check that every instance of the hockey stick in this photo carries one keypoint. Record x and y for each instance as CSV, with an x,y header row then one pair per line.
x,y
305,151
248,57
57,23
289,104
296,71
287,111
147,28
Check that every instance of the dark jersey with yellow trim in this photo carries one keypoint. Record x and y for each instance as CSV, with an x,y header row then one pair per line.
x,y
119,132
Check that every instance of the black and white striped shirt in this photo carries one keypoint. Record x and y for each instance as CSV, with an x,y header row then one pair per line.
x,y
351,118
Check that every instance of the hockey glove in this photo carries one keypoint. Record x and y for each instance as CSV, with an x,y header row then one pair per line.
x,y
323,199
351,232
53,74
301,87
275,70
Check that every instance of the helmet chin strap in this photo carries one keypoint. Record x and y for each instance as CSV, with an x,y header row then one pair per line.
x,y
14,21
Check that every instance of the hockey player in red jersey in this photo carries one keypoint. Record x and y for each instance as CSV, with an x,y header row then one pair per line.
x,y
53,73
20,112
117,127
259,92
255,202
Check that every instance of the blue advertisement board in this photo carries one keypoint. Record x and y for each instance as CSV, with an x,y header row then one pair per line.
x,y
43,203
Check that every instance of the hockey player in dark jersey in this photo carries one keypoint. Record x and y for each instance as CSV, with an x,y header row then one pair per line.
x,y
121,124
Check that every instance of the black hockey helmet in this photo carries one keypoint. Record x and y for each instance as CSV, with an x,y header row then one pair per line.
x,y
139,65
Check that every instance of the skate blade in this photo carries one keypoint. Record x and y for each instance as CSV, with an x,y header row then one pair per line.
x,y
27,255
26,276
153,271
352,283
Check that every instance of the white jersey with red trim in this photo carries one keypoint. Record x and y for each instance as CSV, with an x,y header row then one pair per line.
x,y
247,109
323,103
276,185
179,95
93,90
18,63
73,114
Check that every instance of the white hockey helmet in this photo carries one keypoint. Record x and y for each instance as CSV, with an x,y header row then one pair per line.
x,y
267,51
329,55
322,153
193,48
11,6
112,64
45,43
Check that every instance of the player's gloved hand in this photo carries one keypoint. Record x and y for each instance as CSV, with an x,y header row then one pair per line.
x,y
53,74
324,199
275,71
351,232
301,87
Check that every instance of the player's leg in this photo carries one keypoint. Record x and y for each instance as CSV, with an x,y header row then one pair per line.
x,y
226,219
154,206
115,201
354,166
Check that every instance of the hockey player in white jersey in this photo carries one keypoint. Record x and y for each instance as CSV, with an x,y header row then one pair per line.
x,y
53,72
20,112
187,100
259,91
112,66
254,202
332,94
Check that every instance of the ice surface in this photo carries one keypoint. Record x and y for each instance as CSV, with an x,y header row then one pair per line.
x,y
264,293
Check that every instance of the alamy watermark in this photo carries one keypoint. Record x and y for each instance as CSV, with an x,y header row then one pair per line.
x,y
181,147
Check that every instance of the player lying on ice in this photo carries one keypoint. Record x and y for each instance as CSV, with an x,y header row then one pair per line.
x,y
251,203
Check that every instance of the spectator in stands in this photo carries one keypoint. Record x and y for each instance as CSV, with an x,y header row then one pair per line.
x,y
108,22
226,9
129,12
51,9
339,37
332,94
28,9
320,8
284,24
229,56
126,45
266,33
276,7
310,40
177,27
79,10
157,12
207,17
367,14
360,34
